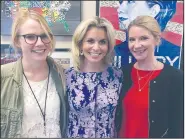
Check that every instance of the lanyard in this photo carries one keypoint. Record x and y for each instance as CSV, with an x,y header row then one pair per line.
x,y
43,113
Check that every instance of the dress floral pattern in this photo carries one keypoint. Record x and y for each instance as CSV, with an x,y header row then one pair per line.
x,y
92,98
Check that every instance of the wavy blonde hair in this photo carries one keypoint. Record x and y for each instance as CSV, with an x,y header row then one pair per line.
x,y
80,34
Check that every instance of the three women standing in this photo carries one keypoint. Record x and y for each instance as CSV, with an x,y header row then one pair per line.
x,y
150,103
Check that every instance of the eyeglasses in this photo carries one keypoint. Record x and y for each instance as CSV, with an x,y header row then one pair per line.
x,y
32,38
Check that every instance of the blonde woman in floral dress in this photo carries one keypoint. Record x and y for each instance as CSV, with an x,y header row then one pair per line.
x,y
93,85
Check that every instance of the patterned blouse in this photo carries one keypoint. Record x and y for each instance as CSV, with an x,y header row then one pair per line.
x,y
92,98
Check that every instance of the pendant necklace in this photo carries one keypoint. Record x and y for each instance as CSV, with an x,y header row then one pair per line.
x,y
42,112
140,88
139,78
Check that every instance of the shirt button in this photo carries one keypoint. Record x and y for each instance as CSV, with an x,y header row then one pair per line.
x,y
153,101
154,81
152,121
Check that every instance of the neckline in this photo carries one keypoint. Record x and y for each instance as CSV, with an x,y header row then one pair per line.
x,y
141,70
82,72
37,82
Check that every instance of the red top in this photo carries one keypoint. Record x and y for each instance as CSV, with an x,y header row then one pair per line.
x,y
136,104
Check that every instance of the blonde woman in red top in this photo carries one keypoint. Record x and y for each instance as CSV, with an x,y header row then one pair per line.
x,y
151,101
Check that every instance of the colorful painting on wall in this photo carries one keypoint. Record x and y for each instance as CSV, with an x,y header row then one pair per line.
x,y
62,16
169,15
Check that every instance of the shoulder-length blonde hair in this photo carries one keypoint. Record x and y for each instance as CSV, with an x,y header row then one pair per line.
x,y
80,34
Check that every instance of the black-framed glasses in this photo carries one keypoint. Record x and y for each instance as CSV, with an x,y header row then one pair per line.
x,y
32,38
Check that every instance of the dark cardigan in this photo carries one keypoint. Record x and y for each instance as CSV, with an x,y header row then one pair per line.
x,y
166,102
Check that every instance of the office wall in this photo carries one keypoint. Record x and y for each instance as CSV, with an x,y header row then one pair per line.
x,y
88,10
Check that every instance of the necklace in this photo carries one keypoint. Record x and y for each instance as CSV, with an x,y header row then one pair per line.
x,y
43,113
140,88
139,78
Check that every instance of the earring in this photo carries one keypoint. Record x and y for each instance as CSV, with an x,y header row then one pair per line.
x,y
81,53
157,48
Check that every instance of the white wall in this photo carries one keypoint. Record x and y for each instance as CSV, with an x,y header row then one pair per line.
x,y
88,10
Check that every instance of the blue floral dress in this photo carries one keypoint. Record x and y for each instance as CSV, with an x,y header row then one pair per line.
x,y
92,98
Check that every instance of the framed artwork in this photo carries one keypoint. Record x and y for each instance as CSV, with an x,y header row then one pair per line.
x,y
8,54
62,16
169,15
62,56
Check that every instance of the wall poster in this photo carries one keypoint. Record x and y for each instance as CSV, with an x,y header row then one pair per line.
x,y
62,16
169,14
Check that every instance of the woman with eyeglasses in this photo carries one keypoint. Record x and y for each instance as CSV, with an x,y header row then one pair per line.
x,y
93,85
32,88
